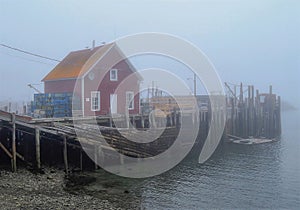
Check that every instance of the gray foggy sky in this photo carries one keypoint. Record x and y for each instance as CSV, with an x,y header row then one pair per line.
x,y
256,42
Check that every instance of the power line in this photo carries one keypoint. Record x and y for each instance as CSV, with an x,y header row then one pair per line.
x,y
29,53
20,57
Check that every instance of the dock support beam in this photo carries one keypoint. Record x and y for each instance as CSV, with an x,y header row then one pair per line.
x,y
66,154
127,119
37,148
80,159
96,156
142,121
121,159
14,149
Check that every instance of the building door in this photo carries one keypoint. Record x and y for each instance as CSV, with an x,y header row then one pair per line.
x,y
113,103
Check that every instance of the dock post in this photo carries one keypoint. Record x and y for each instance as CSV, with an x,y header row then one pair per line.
x,y
37,148
270,107
96,157
193,119
66,154
153,122
110,121
127,118
252,113
258,122
133,121
80,160
14,150
232,116
142,121
279,116
121,159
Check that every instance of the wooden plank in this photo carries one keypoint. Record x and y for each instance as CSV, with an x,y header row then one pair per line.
x,y
5,150
232,136
20,156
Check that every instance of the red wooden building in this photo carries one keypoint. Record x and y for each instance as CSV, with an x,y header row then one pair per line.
x,y
104,80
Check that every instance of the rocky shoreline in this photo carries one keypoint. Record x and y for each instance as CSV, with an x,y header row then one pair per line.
x,y
27,190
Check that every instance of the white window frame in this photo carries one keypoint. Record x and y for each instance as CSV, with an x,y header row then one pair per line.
x,y
111,75
131,94
95,95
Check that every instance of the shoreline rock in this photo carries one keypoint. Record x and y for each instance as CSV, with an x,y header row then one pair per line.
x,y
27,190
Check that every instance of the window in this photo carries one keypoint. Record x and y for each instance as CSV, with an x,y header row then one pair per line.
x,y
130,100
113,75
95,100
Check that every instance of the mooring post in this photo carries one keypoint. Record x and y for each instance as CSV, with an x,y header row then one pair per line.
x,y
37,148
96,156
127,118
252,112
14,150
232,116
142,121
121,159
153,122
110,121
241,99
134,121
66,154
80,159
258,113
279,116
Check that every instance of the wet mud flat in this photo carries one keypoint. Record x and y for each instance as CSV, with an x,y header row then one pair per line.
x,y
47,190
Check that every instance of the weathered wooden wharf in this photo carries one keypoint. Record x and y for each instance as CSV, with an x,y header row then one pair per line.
x,y
54,141
257,115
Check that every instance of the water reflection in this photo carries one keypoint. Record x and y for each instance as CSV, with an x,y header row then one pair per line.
x,y
237,176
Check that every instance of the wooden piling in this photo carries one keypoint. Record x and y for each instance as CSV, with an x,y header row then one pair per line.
x,y
37,148
96,156
134,121
241,99
272,115
279,116
121,159
14,150
153,122
65,153
142,121
127,119
110,121
258,115
252,112
80,159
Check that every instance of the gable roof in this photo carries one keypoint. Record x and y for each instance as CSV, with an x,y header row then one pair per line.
x,y
72,65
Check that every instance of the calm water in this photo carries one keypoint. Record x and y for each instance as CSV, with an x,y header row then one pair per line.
x,y
237,176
